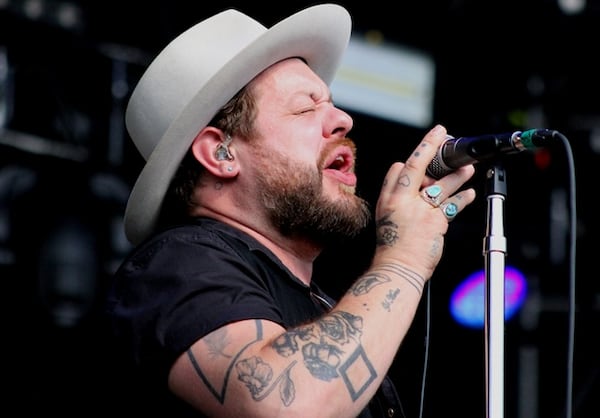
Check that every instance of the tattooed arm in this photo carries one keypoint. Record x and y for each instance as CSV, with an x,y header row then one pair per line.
x,y
328,368
332,367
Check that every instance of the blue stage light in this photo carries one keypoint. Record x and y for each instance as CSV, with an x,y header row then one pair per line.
x,y
467,301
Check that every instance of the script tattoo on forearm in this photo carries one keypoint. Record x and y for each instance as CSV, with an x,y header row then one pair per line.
x,y
331,349
389,299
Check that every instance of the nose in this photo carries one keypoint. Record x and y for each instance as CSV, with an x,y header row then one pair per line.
x,y
338,123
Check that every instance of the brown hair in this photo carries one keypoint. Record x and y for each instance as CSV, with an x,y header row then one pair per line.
x,y
235,118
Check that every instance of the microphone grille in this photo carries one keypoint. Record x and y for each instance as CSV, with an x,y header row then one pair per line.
x,y
435,168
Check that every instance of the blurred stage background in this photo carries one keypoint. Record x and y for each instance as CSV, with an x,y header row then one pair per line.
x,y
67,165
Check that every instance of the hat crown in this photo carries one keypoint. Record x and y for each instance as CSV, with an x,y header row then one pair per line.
x,y
182,68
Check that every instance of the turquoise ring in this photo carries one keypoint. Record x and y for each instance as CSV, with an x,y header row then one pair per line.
x,y
449,210
432,194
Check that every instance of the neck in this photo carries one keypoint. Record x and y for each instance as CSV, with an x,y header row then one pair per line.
x,y
297,255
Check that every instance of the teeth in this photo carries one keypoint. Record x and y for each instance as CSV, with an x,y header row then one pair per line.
x,y
339,158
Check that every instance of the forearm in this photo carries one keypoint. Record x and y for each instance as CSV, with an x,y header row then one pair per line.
x,y
383,302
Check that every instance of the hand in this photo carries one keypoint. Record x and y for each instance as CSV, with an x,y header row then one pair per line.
x,y
410,226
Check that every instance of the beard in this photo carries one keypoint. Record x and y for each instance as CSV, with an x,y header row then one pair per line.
x,y
293,197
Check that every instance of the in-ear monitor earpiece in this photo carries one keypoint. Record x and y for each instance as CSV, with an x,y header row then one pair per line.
x,y
222,152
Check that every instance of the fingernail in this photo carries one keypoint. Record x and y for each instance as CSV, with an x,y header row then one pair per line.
x,y
438,128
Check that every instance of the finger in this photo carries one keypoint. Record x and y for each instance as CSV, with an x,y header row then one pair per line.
x,y
454,180
416,164
449,209
440,190
452,206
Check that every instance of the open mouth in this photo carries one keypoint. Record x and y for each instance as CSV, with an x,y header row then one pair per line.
x,y
341,166
342,159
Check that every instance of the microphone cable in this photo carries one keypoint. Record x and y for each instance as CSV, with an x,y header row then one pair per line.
x,y
572,272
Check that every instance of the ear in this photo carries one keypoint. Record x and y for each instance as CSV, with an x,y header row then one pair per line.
x,y
213,150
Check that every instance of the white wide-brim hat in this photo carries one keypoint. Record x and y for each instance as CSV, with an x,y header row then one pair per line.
x,y
198,73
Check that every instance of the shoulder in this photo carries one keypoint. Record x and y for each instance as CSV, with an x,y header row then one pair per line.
x,y
197,245
204,234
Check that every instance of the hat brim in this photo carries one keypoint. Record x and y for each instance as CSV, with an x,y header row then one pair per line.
x,y
318,34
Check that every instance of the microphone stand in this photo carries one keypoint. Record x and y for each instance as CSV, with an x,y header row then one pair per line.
x,y
494,253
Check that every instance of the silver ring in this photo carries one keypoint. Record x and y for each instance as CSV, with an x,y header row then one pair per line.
x,y
450,210
432,195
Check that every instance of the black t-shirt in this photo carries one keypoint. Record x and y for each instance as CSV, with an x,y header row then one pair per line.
x,y
190,280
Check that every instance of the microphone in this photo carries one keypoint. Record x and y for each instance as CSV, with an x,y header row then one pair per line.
x,y
458,152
